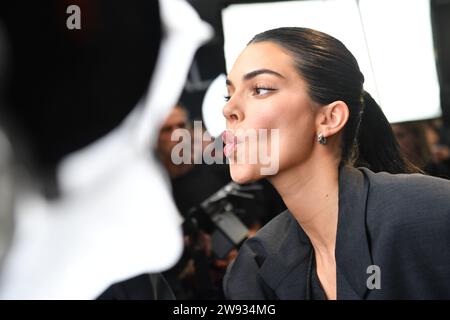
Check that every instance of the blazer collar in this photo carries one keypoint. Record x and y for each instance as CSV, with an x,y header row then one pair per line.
x,y
352,242
290,263
288,267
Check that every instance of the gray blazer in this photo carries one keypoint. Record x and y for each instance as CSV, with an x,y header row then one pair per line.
x,y
399,223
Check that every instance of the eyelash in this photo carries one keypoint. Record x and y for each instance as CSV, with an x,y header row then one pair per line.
x,y
254,89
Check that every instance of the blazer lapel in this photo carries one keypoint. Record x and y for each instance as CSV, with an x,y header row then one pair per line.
x,y
286,271
352,244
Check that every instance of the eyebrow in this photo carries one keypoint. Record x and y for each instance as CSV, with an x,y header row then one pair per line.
x,y
255,73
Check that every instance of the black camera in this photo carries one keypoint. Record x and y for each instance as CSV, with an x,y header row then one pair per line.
x,y
218,216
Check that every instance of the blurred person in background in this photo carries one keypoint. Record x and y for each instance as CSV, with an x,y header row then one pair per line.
x,y
177,119
419,141
438,136
191,183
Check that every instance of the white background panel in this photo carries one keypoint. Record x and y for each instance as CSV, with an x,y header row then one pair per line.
x,y
400,43
391,40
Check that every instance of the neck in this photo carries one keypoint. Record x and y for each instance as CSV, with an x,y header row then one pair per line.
x,y
311,192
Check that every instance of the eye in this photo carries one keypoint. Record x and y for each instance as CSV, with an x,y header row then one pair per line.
x,y
259,91
226,98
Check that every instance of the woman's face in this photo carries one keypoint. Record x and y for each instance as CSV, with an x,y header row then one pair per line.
x,y
266,92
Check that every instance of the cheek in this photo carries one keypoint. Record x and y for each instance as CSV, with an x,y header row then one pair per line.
x,y
294,122
297,135
257,116
262,116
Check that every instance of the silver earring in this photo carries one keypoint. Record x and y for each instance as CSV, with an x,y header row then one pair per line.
x,y
321,139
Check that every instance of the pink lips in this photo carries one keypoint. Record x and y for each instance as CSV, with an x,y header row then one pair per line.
x,y
230,142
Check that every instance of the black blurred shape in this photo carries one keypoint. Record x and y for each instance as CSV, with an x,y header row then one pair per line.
x,y
143,287
67,87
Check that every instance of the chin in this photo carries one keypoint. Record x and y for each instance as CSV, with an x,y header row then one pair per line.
x,y
244,173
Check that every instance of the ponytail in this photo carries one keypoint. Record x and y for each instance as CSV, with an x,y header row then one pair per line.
x,y
377,147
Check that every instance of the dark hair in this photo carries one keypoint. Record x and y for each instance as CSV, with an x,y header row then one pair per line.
x,y
383,152
332,73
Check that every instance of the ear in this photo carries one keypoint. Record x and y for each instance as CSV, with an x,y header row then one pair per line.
x,y
332,118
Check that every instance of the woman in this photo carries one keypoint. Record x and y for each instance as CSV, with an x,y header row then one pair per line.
x,y
348,233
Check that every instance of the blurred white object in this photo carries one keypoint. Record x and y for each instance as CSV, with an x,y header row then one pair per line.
x,y
212,106
115,218
400,42
391,39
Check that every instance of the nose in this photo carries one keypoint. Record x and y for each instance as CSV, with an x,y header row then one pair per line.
x,y
232,113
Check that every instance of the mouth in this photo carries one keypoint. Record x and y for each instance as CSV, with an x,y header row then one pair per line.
x,y
230,141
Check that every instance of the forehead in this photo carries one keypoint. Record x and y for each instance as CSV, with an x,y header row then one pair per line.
x,y
262,55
